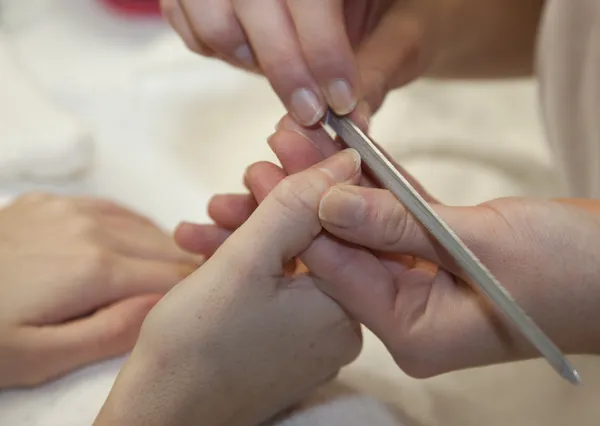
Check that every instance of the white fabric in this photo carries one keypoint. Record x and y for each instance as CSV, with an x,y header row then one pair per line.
x,y
38,140
172,129
569,66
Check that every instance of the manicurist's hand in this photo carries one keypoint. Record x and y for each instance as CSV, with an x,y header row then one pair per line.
x,y
315,53
390,275
243,338
77,278
349,53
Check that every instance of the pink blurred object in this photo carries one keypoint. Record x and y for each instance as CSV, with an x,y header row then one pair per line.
x,y
135,7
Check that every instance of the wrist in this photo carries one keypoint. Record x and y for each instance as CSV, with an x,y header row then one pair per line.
x,y
158,388
181,387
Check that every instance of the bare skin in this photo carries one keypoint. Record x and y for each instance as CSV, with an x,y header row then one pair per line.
x,y
339,53
77,278
210,344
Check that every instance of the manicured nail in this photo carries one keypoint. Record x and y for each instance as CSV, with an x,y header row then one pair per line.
x,y
342,166
245,56
306,107
340,97
341,207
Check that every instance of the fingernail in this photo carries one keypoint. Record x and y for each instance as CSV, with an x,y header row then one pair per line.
x,y
341,98
341,207
342,166
306,107
245,56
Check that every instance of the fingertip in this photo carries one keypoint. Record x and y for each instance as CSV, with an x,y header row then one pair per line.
x,y
341,96
342,207
307,106
262,177
187,236
341,167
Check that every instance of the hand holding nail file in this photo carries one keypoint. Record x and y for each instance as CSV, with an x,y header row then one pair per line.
x,y
479,275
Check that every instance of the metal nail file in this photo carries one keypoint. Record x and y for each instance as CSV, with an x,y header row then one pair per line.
x,y
479,275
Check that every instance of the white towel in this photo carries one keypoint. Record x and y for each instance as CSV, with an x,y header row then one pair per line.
x,y
39,141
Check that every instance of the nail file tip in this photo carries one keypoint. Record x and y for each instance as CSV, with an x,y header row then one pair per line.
x,y
571,375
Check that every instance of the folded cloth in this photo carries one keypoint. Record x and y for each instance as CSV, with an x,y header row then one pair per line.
x,y
38,140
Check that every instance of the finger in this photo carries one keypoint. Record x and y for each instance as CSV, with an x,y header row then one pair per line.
x,y
354,278
231,210
286,222
374,218
294,150
273,37
383,68
295,153
321,30
175,16
107,333
262,177
201,239
110,208
128,277
317,135
135,240
214,22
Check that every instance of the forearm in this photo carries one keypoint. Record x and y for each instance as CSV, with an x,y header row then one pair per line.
x,y
153,392
165,390
486,38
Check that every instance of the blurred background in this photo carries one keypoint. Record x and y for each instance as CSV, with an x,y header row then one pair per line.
x,y
100,99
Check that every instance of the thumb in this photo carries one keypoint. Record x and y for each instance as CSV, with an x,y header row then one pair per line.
x,y
391,56
107,333
375,219
286,222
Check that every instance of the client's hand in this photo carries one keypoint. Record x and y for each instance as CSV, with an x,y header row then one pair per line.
x,y
77,278
240,340
392,277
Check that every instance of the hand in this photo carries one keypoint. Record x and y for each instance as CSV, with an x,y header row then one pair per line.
x,y
240,339
410,293
314,52
77,278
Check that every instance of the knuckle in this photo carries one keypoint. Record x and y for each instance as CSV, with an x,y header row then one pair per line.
x,y
281,63
94,264
297,198
83,225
